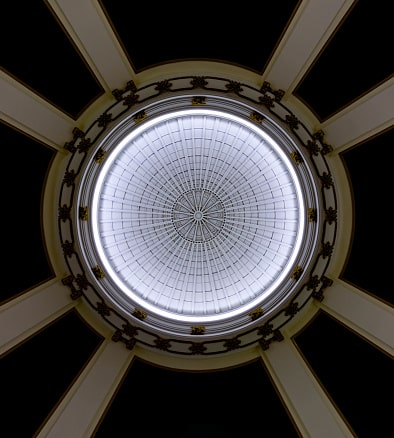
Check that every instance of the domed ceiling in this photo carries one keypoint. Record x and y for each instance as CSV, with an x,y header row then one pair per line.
x,y
198,219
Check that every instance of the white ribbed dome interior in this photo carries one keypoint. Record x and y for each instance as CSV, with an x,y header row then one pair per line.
x,y
197,214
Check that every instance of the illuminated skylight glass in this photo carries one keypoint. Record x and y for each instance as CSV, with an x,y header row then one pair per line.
x,y
197,215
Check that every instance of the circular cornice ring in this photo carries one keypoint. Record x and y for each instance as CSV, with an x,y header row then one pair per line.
x,y
198,220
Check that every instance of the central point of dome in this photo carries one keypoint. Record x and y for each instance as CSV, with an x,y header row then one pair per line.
x,y
198,215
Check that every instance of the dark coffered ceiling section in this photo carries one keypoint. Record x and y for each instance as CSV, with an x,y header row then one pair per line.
x,y
27,262
342,361
215,31
355,60
43,57
370,187
186,395
72,365
36,375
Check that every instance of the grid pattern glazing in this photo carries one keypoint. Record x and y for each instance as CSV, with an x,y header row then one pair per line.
x,y
197,215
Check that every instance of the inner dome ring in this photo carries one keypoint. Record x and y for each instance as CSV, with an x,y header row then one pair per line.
x,y
197,215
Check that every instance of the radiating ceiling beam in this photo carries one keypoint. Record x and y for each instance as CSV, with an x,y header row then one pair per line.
x,y
84,404
87,25
28,112
309,30
350,305
310,407
367,116
28,313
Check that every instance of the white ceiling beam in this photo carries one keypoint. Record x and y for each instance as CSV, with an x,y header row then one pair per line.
x,y
364,118
88,27
310,407
31,311
350,305
84,404
309,30
27,111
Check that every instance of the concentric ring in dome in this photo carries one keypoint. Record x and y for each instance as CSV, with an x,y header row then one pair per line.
x,y
197,215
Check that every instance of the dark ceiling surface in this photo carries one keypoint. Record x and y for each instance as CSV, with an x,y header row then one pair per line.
x,y
217,32
356,59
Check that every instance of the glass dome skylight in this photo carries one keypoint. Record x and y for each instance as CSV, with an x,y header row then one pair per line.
x,y
197,215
